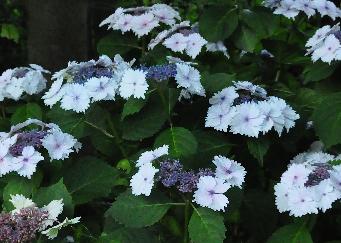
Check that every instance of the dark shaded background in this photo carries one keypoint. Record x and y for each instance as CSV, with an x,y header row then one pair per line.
x,y
52,32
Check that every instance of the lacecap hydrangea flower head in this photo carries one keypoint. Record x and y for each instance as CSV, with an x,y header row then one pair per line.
x,y
325,44
180,37
26,220
311,183
82,83
291,8
19,149
208,187
186,76
14,83
245,109
141,20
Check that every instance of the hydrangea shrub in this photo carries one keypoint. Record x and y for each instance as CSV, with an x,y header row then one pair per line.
x,y
200,121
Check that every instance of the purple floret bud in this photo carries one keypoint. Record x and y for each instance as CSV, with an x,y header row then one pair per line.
x,y
188,181
319,174
170,172
205,172
21,226
160,72
24,139
88,72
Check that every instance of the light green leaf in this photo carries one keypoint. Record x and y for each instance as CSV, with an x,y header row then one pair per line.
x,y
90,178
327,119
335,162
294,233
10,31
138,211
180,140
206,225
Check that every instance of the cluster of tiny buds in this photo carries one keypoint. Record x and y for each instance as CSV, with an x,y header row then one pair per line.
x,y
319,173
171,173
21,226
28,138
160,72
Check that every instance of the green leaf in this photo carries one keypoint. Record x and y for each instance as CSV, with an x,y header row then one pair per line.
x,y
217,81
259,214
151,118
210,143
138,211
126,235
116,43
294,233
335,162
317,71
246,39
261,21
217,23
180,140
132,106
20,185
54,192
68,121
258,148
10,31
327,120
29,110
206,225
90,178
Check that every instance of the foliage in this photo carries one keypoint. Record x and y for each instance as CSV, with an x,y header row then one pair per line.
x,y
94,183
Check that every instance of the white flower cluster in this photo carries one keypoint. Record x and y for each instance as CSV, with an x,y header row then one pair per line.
x,y
245,109
180,37
217,47
143,181
93,81
19,149
210,192
53,210
325,44
15,82
291,8
141,20
210,189
188,78
309,184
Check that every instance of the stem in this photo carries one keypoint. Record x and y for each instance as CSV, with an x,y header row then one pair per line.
x,y
3,111
27,123
167,106
100,129
278,73
117,138
187,208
